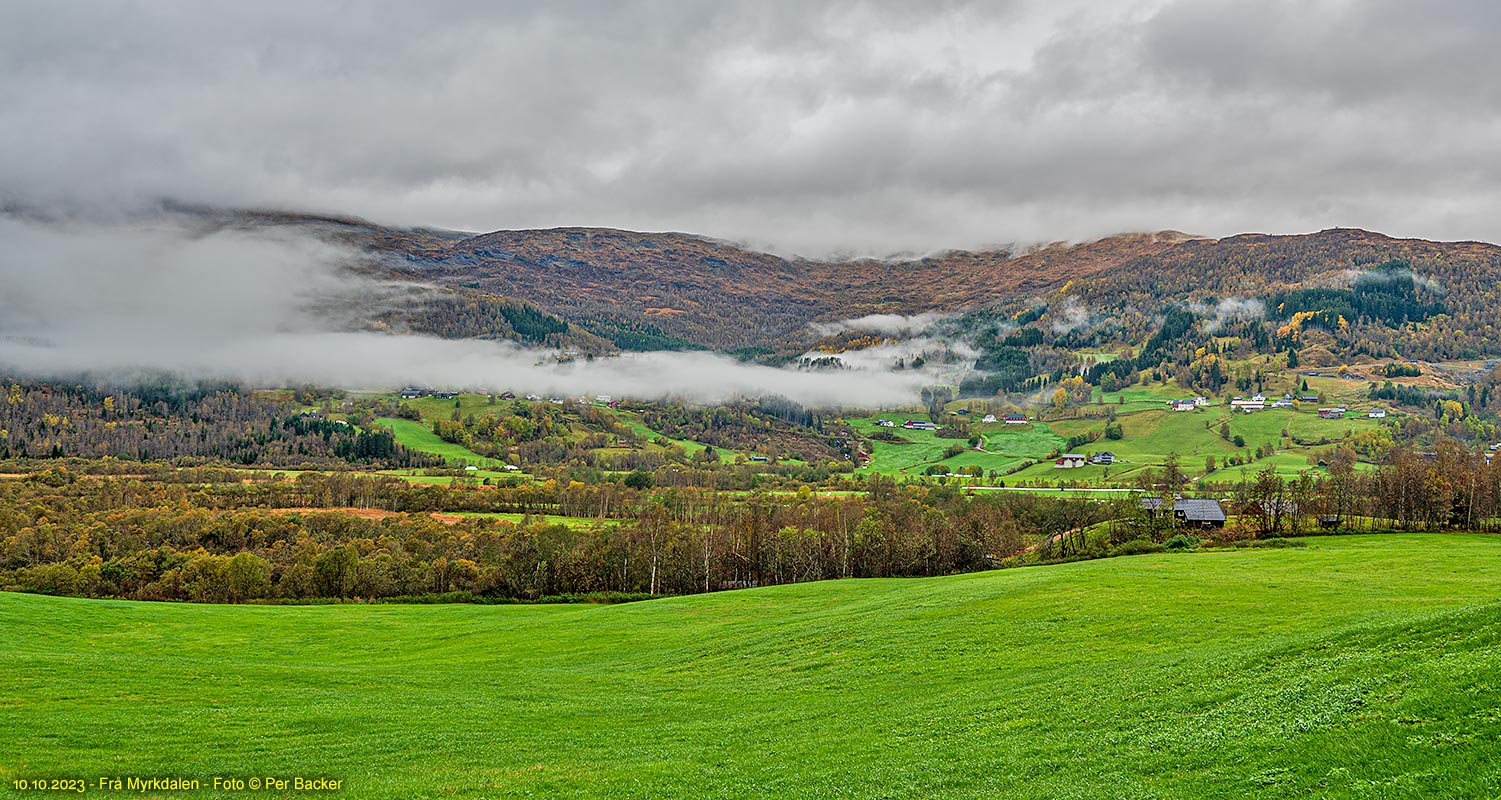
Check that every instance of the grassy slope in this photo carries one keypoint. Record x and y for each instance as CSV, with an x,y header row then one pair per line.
x,y
418,436
1359,667
431,408
1006,446
577,523
1152,433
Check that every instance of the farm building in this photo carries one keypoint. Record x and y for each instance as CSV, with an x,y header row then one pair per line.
x,y
1332,413
885,423
1070,461
1183,405
1015,419
1376,413
1192,512
1248,405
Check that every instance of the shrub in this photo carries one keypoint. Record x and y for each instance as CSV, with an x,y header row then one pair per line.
x,y
1182,542
1136,547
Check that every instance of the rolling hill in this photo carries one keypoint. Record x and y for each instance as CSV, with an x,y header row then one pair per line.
x,y
1357,667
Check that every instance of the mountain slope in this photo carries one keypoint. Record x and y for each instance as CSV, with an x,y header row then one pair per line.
x,y
674,290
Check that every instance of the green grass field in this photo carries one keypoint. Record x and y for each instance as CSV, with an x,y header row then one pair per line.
x,y
1359,667
418,436
577,523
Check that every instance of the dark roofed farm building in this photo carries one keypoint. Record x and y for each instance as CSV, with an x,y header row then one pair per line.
x,y
1192,512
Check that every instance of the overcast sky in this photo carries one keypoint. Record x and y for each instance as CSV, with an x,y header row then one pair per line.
x,y
800,126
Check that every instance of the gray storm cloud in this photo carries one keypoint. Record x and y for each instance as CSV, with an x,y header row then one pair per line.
x,y
128,298
860,126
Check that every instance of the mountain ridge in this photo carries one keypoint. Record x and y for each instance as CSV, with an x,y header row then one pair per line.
x,y
675,290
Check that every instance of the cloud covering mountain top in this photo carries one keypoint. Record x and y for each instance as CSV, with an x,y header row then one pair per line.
x,y
869,126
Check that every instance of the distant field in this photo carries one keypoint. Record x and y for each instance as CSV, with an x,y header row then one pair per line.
x,y
922,449
577,523
420,437
1359,667
1151,433
475,476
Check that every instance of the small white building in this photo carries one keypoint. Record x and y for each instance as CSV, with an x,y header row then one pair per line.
x,y
989,418
1201,401
1376,413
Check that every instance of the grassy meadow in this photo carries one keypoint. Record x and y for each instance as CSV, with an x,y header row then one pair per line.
x,y
1357,667
419,436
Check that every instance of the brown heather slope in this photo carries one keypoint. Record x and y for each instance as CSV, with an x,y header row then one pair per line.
x,y
649,290
724,297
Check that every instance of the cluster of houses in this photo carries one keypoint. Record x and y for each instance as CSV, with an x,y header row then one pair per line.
x,y
414,392
1259,402
1103,458
924,425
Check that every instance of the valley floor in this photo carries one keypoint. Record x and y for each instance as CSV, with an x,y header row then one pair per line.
x,y
1361,666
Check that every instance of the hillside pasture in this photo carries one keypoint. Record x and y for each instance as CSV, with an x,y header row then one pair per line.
x,y
418,436
1357,667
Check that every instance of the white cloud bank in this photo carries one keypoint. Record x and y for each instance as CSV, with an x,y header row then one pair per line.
x,y
128,298
898,325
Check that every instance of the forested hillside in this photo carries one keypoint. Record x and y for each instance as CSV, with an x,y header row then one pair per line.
x,y
185,424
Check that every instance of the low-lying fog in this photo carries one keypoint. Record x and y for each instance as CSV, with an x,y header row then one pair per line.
x,y
118,298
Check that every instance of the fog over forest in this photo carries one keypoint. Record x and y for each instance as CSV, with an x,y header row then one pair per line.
x,y
148,295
